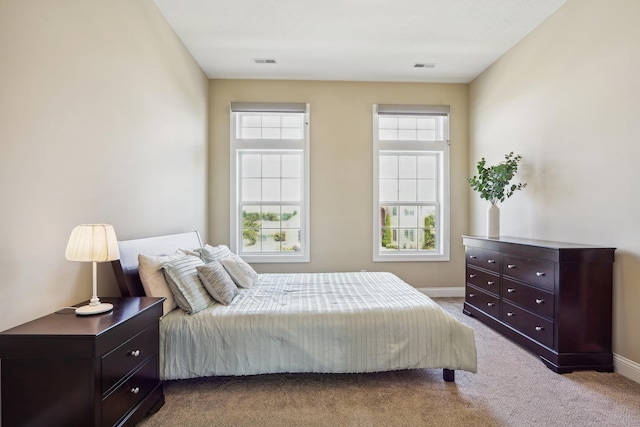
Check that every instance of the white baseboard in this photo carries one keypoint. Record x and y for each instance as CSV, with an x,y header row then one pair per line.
x,y
627,368
442,292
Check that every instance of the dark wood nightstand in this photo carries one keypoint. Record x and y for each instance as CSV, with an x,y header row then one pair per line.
x,y
70,370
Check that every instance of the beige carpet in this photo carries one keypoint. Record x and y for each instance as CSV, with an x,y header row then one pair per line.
x,y
512,388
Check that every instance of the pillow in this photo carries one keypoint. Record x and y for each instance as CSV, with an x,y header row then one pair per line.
x,y
239,270
217,282
187,288
213,253
153,280
192,252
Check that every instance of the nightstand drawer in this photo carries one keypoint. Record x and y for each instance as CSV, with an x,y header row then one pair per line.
x,y
125,358
130,392
532,271
533,299
533,326
484,280
483,301
483,258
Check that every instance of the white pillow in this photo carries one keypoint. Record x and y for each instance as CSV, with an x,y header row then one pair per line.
x,y
188,290
240,271
192,252
213,253
217,282
153,280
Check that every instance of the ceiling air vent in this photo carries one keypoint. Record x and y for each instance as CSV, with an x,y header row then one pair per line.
x,y
264,60
424,65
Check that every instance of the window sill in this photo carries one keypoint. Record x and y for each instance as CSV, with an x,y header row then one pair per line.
x,y
410,258
275,259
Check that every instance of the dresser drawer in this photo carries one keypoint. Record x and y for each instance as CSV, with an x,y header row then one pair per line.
x,y
533,326
483,301
533,299
483,258
532,271
484,280
130,392
126,357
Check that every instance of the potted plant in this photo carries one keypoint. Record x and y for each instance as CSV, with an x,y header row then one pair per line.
x,y
492,183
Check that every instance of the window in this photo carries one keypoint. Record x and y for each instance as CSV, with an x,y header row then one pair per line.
x,y
270,182
411,183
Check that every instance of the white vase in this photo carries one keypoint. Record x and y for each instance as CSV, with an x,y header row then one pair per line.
x,y
493,221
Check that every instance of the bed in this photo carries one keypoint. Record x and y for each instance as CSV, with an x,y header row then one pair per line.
x,y
302,322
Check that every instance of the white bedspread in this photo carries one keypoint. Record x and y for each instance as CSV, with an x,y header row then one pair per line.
x,y
320,322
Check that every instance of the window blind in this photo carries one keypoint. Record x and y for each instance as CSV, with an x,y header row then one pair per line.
x,y
413,110
268,107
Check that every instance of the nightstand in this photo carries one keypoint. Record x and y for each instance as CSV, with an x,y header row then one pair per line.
x,y
70,370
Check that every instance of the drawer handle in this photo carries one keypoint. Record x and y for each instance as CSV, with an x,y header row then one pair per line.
x,y
490,304
539,328
491,282
472,295
511,290
134,390
511,266
539,300
540,273
134,353
471,276
510,314
473,256
491,261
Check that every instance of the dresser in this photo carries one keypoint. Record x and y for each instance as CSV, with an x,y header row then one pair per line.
x,y
555,299
68,370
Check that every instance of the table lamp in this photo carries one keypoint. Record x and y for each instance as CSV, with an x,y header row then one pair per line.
x,y
93,243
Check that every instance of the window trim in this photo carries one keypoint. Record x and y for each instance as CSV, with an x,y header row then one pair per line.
x,y
279,145
443,234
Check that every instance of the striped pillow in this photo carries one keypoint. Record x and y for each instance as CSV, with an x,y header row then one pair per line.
x,y
240,271
183,280
213,253
216,280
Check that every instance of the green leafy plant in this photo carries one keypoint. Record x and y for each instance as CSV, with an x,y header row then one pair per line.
x,y
492,182
386,233
250,227
429,232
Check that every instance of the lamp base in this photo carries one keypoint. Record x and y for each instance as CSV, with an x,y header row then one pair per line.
x,y
89,309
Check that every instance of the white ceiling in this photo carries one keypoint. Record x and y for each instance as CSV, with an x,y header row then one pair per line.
x,y
361,40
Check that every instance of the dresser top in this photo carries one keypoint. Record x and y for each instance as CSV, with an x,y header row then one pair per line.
x,y
90,326
533,242
543,249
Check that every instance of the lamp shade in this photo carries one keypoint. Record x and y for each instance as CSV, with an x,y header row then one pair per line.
x,y
92,242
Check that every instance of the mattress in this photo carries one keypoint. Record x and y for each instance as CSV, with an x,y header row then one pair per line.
x,y
316,322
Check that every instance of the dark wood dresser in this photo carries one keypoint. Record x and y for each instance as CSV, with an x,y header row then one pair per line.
x,y
554,299
70,370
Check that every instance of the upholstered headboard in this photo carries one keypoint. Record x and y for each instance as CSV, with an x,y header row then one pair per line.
x,y
126,268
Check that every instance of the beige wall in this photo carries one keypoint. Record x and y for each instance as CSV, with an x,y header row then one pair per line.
x,y
567,99
341,170
103,118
